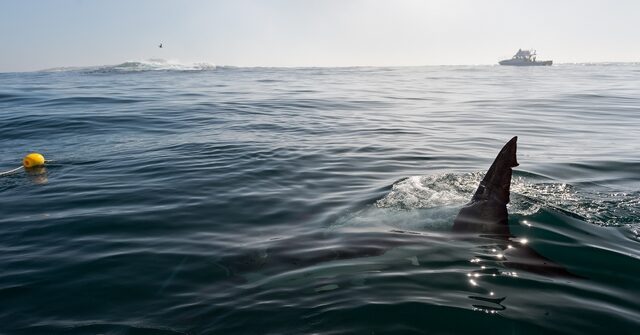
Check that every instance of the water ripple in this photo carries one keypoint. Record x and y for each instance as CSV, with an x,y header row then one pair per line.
x,y
192,199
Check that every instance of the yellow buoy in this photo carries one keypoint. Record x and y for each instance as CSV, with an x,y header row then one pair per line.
x,y
32,160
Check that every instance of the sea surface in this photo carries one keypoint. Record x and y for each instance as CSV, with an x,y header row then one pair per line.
x,y
195,199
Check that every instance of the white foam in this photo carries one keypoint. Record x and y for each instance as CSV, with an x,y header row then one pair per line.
x,y
431,191
441,191
153,64
161,65
417,203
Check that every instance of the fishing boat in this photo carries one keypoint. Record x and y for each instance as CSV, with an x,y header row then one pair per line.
x,y
525,58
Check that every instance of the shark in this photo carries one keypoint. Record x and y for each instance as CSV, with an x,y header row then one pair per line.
x,y
485,217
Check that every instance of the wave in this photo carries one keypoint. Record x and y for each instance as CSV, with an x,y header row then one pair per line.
x,y
446,190
153,64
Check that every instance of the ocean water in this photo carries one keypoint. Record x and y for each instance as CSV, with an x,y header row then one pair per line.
x,y
194,199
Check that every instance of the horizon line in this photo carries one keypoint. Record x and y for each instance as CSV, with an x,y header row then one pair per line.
x,y
80,67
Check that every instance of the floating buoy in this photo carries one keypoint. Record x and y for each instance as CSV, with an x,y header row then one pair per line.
x,y
32,160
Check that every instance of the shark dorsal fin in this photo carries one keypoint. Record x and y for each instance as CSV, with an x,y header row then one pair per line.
x,y
487,211
497,182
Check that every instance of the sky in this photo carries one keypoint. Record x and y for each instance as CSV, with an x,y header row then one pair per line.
x,y
56,33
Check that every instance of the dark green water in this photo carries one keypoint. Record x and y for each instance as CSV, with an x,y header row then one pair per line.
x,y
213,201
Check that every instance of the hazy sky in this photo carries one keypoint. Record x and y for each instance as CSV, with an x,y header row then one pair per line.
x,y
44,34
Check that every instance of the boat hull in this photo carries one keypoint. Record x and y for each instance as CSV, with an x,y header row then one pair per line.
x,y
518,62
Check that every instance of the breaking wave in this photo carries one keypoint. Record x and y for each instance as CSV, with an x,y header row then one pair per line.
x,y
140,66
